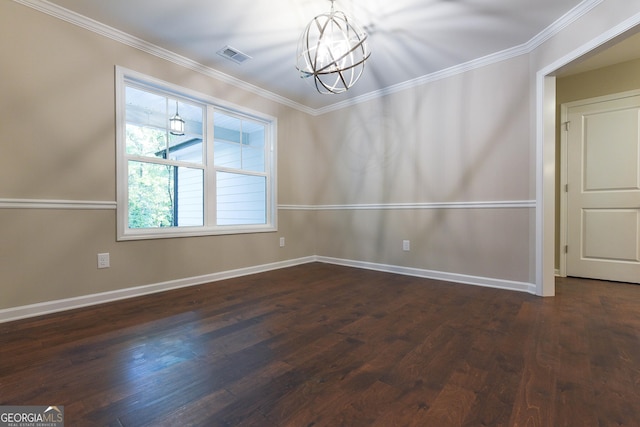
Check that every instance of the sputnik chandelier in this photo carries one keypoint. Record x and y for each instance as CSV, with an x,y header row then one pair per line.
x,y
332,50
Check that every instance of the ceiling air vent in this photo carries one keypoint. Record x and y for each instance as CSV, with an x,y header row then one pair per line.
x,y
233,54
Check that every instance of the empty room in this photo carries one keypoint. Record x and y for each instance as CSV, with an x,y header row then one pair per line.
x,y
320,213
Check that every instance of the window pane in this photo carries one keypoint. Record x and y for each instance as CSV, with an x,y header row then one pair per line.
x,y
241,199
187,147
226,132
151,195
164,196
190,199
253,134
227,154
253,146
252,159
144,141
239,143
146,115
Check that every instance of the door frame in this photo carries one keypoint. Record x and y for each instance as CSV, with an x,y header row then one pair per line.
x,y
564,166
545,141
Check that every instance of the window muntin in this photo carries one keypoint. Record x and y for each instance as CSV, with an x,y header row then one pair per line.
x,y
217,178
239,143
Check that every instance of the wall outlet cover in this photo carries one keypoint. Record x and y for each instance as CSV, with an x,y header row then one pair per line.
x,y
103,260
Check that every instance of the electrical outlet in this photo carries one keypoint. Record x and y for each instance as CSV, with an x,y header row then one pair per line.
x,y
282,242
406,245
103,260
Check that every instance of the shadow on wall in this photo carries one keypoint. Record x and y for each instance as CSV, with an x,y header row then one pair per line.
x,y
66,150
460,139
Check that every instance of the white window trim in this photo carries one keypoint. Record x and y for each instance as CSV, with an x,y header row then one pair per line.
x,y
123,75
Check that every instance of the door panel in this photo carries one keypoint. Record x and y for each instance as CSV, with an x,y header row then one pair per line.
x,y
611,151
603,201
609,234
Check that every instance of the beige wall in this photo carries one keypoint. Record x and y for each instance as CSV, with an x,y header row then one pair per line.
x,y
458,140
464,139
57,137
604,81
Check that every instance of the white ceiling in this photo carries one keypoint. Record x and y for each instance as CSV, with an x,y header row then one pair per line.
x,y
409,39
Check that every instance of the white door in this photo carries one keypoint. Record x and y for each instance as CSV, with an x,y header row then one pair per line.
x,y
603,199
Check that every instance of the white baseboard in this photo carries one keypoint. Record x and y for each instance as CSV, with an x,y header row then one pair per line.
x,y
48,307
437,275
39,309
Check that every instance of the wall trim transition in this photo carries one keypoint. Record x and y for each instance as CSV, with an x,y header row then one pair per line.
x,y
112,205
507,204
82,21
55,204
49,307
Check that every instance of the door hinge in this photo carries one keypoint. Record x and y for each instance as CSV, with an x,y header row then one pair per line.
x,y
566,188
566,249
566,126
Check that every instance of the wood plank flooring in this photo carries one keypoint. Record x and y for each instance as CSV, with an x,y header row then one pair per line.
x,y
325,345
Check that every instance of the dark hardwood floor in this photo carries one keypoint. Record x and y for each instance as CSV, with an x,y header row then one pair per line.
x,y
324,345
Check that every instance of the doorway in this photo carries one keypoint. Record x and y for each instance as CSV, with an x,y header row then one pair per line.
x,y
545,219
600,188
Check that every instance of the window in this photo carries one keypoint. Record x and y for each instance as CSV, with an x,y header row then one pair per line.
x,y
215,177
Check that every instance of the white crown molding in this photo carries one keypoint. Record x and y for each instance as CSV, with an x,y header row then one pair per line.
x,y
127,39
140,44
56,204
494,58
428,78
564,21
49,307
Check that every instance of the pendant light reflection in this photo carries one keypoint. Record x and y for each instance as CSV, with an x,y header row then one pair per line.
x,y
176,124
332,50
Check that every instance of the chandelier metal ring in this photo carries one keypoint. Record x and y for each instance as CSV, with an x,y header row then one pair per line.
x,y
332,50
